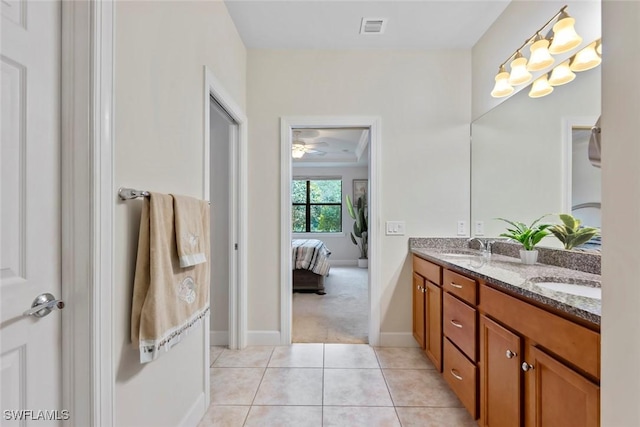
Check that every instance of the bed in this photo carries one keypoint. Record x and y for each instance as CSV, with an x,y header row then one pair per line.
x,y
310,260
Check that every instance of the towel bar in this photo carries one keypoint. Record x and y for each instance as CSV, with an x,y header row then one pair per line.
x,y
130,193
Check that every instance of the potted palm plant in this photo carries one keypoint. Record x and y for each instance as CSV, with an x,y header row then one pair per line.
x,y
528,235
570,233
360,233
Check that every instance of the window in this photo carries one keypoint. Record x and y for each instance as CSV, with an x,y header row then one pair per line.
x,y
317,205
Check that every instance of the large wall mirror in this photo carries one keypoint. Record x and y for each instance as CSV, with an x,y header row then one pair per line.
x,y
529,157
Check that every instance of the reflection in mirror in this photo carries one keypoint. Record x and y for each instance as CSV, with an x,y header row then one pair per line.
x,y
522,163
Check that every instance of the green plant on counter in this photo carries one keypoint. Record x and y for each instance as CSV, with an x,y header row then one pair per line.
x,y
570,233
360,227
528,235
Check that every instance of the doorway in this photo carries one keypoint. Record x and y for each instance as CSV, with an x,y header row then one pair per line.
x,y
289,129
330,170
225,160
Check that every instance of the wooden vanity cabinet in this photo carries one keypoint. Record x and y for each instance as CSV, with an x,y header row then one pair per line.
x,y
556,359
427,309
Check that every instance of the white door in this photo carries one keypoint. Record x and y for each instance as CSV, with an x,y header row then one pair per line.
x,y
30,212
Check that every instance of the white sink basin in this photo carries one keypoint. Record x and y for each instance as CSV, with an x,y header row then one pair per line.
x,y
573,289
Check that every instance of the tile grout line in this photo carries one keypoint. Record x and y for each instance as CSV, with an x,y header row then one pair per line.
x,y
259,384
384,377
322,401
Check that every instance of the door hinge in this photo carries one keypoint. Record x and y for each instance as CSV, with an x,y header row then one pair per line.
x,y
235,246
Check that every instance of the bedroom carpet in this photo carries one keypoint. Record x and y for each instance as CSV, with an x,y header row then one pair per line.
x,y
340,316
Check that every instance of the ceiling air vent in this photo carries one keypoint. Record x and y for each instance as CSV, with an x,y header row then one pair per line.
x,y
373,25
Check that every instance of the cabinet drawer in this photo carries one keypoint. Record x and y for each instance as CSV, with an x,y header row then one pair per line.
x,y
461,286
428,270
460,324
461,375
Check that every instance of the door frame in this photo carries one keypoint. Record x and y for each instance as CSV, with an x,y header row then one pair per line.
x,y
566,156
238,212
373,123
88,200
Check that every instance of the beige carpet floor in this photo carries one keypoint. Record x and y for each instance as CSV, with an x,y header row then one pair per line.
x,y
340,316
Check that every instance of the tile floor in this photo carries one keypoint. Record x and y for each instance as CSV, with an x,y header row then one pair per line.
x,y
329,385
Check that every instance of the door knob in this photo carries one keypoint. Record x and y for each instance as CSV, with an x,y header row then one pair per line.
x,y
510,354
43,305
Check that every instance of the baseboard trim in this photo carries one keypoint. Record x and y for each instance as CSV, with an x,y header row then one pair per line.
x,y
196,412
343,262
263,338
397,339
219,337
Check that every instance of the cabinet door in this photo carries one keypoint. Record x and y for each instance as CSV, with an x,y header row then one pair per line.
x,y
500,374
433,319
555,395
418,309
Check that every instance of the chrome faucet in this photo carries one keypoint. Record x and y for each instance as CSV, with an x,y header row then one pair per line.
x,y
485,245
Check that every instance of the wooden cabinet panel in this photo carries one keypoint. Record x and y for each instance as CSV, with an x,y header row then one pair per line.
x,y
428,270
433,320
418,309
459,324
461,375
558,396
461,286
574,343
500,374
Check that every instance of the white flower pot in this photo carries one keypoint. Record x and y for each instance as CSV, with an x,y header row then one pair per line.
x,y
363,262
528,257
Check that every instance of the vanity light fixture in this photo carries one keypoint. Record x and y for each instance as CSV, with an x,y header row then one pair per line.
x,y
562,74
540,56
519,74
586,59
502,86
540,87
563,39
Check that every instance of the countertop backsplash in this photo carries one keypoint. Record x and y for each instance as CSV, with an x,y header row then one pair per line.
x,y
587,262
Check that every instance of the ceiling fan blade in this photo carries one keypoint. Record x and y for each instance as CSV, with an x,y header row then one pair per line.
x,y
316,144
316,152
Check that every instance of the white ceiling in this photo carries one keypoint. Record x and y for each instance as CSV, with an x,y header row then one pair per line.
x,y
335,24
337,147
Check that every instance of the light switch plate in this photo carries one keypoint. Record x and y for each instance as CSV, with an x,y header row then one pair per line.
x,y
395,228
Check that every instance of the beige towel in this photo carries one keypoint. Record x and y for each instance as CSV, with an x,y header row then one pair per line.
x,y
189,233
168,301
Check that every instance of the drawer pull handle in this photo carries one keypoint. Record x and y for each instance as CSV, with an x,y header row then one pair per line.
x,y
455,285
456,324
511,354
455,375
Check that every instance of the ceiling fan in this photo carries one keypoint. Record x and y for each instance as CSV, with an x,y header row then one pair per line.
x,y
299,148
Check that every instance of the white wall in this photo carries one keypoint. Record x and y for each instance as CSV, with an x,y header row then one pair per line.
x,y
517,23
160,50
342,248
620,214
424,104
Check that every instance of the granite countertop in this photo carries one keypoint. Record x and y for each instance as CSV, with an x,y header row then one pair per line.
x,y
510,274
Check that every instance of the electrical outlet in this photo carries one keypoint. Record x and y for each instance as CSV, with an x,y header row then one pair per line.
x,y
462,228
478,228
395,228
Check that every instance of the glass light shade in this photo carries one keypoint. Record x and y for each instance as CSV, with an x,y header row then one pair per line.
x,y
565,37
561,74
519,74
540,56
502,87
599,47
297,152
586,59
540,87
